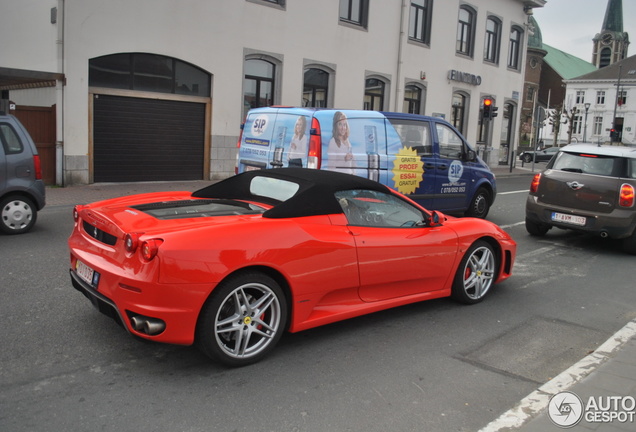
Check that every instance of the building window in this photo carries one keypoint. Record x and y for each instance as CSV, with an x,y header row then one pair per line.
x,y
580,96
530,94
622,98
280,4
576,124
514,50
458,111
600,97
493,40
148,72
606,57
598,125
354,12
413,99
465,31
315,88
374,94
258,87
420,21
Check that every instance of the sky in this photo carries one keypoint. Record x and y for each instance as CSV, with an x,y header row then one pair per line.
x,y
570,25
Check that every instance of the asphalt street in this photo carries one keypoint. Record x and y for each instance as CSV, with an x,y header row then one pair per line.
x,y
433,366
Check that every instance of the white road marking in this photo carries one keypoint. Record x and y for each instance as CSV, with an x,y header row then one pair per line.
x,y
513,192
511,225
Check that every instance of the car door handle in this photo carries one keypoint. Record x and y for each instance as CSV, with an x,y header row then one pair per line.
x,y
442,167
429,166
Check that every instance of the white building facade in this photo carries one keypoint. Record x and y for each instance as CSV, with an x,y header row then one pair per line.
x,y
158,89
607,99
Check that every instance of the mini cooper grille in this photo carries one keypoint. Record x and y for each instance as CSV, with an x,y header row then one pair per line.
x,y
99,235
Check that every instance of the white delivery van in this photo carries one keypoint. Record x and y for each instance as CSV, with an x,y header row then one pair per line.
x,y
425,158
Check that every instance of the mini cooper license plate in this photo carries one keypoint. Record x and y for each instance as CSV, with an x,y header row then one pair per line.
x,y
86,273
569,219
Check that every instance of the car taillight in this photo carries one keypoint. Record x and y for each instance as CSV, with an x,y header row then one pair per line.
x,y
238,148
149,249
76,212
534,186
314,156
131,242
38,167
626,197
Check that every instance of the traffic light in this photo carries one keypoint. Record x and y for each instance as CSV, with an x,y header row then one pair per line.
x,y
487,106
613,135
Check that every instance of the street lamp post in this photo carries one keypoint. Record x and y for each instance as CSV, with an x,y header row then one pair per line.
x,y
587,108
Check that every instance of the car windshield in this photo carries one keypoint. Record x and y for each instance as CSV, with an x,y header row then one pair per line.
x,y
588,164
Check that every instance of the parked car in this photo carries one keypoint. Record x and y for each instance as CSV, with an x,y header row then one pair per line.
x,y
232,266
540,155
586,188
425,158
22,191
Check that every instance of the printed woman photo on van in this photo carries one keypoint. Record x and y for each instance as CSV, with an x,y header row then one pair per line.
x,y
298,145
340,156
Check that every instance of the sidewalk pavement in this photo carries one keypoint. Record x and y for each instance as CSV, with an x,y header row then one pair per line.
x,y
84,194
607,374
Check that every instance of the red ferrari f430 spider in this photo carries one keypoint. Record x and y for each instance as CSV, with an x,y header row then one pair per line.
x,y
233,266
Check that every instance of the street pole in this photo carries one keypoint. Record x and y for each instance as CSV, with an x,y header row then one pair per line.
x,y
618,88
587,107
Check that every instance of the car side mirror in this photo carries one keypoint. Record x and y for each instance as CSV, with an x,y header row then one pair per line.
x,y
430,219
471,156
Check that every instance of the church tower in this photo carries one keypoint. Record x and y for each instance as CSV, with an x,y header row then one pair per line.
x,y
610,45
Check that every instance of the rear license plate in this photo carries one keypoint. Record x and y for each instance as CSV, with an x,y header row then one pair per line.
x,y
86,273
569,219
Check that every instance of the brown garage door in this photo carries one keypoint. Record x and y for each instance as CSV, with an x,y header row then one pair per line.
x,y
147,140
40,123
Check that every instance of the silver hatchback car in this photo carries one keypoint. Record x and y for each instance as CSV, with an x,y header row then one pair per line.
x,y
586,188
22,191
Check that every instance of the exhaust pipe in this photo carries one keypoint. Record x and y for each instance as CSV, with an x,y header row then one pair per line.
x,y
154,326
604,234
149,326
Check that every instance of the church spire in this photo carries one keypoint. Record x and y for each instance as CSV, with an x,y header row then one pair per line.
x,y
613,21
610,45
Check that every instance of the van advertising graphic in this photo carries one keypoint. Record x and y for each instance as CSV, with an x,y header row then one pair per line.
x,y
258,128
454,185
408,171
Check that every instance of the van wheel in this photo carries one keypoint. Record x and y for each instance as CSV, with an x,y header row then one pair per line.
x,y
480,205
17,214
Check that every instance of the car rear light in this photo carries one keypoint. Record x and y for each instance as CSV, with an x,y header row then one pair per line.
x,y
238,148
314,155
38,167
626,197
76,212
131,241
534,185
149,249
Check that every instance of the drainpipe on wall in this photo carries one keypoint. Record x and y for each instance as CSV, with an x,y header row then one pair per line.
x,y
59,98
398,80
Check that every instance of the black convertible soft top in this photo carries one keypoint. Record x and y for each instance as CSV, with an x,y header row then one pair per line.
x,y
315,195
